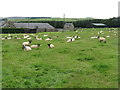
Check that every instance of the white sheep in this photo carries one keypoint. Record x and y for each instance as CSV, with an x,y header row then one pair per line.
x,y
48,39
94,37
35,46
45,35
107,36
27,43
70,40
26,48
68,37
16,37
76,36
9,37
50,46
38,38
102,39
29,38
26,36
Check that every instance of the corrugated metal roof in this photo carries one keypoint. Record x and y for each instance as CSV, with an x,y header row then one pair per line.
x,y
33,25
98,24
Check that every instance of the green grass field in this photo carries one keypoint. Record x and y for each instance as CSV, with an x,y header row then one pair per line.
x,y
84,63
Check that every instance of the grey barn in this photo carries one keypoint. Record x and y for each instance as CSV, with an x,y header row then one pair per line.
x,y
39,27
29,27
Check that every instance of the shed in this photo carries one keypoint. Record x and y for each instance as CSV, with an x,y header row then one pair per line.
x,y
98,25
69,26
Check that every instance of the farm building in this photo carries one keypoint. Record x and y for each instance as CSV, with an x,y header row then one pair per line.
x,y
35,27
29,27
69,26
6,24
98,25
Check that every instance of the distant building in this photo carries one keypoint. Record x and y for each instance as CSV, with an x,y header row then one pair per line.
x,y
29,27
69,26
39,27
6,24
98,25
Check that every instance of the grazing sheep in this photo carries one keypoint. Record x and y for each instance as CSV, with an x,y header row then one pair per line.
x,y
38,38
94,37
35,46
26,48
32,34
102,39
17,38
29,38
45,35
76,36
2,38
73,39
107,36
26,36
27,43
70,40
48,39
50,46
5,37
68,37
9,37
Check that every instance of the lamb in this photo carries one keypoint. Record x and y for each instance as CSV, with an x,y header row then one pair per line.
x,y
26,48
50,46
102,39
35,46
27,43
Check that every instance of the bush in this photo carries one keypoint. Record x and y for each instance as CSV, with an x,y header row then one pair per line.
x,y
12,30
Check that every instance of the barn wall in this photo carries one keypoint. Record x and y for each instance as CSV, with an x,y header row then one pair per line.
x,y
69,26
45,30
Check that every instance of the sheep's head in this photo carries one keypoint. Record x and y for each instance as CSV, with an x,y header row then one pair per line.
x,y
23,47
30,41
38,44
48,44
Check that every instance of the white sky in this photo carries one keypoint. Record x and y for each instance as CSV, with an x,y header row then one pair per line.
x,y
56,8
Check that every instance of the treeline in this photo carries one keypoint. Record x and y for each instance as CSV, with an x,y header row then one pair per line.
x,y
112,22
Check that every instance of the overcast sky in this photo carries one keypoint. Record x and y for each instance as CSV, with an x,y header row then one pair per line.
x,y
56,8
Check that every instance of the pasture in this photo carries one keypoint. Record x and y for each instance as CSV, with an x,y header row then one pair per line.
x,y
84,63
